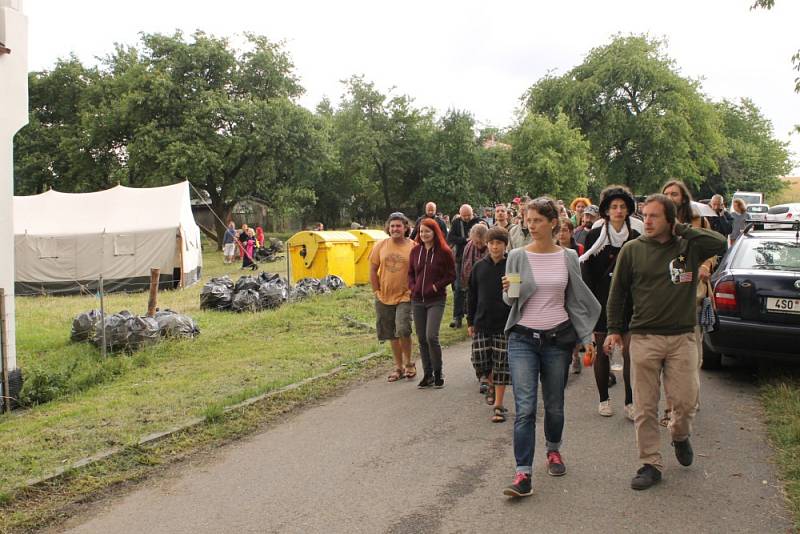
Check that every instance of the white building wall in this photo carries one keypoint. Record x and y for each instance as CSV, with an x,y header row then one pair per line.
x,y
13,116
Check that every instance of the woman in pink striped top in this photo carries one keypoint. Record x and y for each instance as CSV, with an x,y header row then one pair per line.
x,y
554,311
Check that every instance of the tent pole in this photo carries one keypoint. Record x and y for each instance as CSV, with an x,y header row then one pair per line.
x,y
180,257
4,350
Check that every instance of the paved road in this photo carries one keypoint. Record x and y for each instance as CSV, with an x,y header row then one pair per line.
x,y
390,458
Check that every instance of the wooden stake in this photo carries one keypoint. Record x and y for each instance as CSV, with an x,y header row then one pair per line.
x,y
4,350
102,319
152,302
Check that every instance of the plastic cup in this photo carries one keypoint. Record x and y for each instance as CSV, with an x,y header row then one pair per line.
x,y
616,359
514,283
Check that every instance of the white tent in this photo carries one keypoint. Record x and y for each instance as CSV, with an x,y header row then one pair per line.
x,y
63,242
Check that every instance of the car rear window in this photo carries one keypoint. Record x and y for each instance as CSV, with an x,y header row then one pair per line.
x,y
768,254
777,210
757,209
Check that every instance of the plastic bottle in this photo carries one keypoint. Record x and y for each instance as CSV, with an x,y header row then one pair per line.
x,y
616,358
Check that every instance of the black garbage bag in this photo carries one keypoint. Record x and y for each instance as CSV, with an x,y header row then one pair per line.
x,y
272,295
299,292
266,277
311,284
246,282
116,330
275,245
246,300
83,325
222,280
216,296
265,254
176,325
333,282
142,332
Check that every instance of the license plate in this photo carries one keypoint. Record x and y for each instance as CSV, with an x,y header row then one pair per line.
x,y
783,305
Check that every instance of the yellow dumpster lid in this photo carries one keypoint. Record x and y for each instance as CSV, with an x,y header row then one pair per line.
x,y
322,237
366,236
310,241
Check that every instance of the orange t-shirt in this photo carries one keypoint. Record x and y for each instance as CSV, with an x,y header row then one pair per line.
x,y
392,262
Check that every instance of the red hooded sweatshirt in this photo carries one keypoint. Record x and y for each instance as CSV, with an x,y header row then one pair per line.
x,y
428,268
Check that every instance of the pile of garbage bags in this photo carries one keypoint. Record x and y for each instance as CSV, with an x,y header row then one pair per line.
x,y
126,332
263,292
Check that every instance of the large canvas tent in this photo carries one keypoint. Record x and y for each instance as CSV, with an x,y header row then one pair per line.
x,y
63,242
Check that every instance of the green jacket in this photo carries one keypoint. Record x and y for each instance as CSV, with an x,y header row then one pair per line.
x,y
661,280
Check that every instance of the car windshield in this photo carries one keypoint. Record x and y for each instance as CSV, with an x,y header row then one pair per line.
x,y
768,254
777,210
757,209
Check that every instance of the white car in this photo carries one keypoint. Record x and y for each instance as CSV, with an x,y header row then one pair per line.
x,y
782,212
757,212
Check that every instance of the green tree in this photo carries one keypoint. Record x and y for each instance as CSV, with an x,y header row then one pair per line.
x,y
644,122
754,159
51,150
549,157
453,157
382,144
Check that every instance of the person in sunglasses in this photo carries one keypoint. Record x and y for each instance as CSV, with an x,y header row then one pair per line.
x,y
658,272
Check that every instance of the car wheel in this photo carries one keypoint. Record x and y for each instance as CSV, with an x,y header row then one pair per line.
x,y
711,359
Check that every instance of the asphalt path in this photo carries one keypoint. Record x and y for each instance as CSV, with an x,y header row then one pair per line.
x,y
390,458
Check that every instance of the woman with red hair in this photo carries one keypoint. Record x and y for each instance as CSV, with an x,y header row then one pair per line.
x,y
432,267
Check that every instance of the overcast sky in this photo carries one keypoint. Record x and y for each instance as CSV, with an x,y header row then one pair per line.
x,y
474,55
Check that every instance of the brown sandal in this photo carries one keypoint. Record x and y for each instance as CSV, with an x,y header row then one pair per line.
x,y
396,375
411,370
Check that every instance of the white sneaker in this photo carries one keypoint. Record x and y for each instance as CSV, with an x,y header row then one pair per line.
x,y
605,408
629,413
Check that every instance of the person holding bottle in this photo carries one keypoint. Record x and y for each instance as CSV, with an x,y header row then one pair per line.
x,y
551,310
597,266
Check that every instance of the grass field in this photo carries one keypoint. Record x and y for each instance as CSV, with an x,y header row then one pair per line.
x,y
790,194
97,404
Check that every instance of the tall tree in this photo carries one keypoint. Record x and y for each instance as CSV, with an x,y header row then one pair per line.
x,y
51,150
754,160
644,122
549,157
199,109
382,143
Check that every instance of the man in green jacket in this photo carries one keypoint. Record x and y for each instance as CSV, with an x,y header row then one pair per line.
x,y
658,272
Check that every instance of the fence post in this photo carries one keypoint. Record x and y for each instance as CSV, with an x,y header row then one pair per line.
x,y
102,319
4,351
152,302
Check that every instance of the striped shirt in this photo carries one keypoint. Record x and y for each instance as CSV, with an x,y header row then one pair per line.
x,y
545,308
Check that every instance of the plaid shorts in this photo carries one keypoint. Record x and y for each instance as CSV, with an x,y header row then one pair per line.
x,y
490,355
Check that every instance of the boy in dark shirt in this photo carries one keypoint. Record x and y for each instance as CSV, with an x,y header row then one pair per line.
x,y
486,321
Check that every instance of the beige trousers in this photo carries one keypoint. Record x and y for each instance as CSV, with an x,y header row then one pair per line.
x,y
676,359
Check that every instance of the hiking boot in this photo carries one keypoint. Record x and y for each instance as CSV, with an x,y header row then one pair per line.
x,y
555,464
438,381
684,452
646,477
521,487
605,409
426,382
629,412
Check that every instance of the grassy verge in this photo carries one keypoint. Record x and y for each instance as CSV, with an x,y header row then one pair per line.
x,y
781,397
98,404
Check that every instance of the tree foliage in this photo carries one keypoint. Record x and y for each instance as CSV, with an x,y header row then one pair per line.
x,y
549,157
753,160
644,122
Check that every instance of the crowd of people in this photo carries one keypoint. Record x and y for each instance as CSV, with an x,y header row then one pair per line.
x,y
543,288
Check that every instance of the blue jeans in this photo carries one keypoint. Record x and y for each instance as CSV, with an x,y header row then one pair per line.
x,y
529,361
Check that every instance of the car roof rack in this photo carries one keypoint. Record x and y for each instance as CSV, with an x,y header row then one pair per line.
x,y
774,225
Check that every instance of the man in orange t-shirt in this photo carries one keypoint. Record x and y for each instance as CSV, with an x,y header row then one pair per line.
x,y
388,275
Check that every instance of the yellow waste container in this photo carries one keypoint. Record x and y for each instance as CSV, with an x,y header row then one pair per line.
x,y
366,240
318,254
